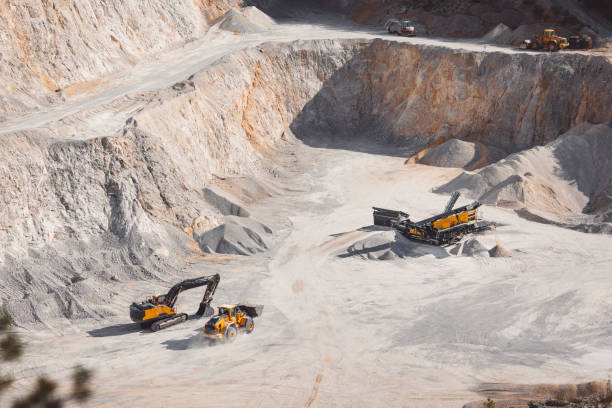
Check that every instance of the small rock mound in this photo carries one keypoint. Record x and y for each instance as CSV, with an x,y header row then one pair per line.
x,y
389,245
246,20
501,34
563,182
452,153
237,235
473,247
499,251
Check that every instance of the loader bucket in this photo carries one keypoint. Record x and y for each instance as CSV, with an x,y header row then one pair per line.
x,y
252,310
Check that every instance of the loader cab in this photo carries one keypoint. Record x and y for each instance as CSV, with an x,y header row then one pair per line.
x,y
228,310
548,34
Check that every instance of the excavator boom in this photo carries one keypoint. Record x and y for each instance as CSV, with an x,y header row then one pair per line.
x,y
210,282
160,311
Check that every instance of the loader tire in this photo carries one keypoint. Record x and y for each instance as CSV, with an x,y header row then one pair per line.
x,y
231,333
249,325
553,46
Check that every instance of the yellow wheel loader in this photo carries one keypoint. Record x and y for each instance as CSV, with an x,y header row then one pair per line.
x,y
549,41
159,312
231,319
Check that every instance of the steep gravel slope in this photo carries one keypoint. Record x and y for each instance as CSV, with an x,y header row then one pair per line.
x,y
53,49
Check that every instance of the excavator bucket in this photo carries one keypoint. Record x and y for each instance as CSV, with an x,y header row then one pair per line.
x,y
252,310
205,310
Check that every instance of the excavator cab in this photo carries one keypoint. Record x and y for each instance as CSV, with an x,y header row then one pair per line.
x,y
157,300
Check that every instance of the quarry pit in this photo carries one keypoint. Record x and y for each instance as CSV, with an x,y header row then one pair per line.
x,y
257,152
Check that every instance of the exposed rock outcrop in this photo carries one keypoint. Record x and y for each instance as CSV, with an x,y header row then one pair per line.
x,y
416,94
55,48
135,200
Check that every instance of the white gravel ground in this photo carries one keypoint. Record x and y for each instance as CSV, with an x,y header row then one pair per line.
x,y
337,331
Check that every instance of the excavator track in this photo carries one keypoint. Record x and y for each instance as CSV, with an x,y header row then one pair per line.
x,y
170,321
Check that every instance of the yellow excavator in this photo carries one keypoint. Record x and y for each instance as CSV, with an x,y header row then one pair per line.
x,y
159,312
549,41
230,319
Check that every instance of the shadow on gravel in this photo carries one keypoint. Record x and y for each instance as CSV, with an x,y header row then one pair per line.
x,y
389,244
116,330
195,341
369,228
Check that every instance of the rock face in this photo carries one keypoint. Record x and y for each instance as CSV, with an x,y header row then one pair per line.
x,y
454,94
127,205
55,48
128,202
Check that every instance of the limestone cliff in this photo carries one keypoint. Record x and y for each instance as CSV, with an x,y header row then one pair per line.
x,y
50,47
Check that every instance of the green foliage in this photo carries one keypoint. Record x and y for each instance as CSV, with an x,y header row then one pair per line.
x,y
44,393
489,403
6,320
11,347
80,384
43,396
5,382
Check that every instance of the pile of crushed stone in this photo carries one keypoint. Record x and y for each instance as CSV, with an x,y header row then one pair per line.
x,y
390,245
452,153
563,181
236,235
246,20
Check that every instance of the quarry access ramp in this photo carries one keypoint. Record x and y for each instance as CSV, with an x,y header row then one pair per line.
x,y
126,92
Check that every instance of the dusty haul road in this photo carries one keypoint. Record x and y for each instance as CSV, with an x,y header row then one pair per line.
x,y
338,329
96,117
